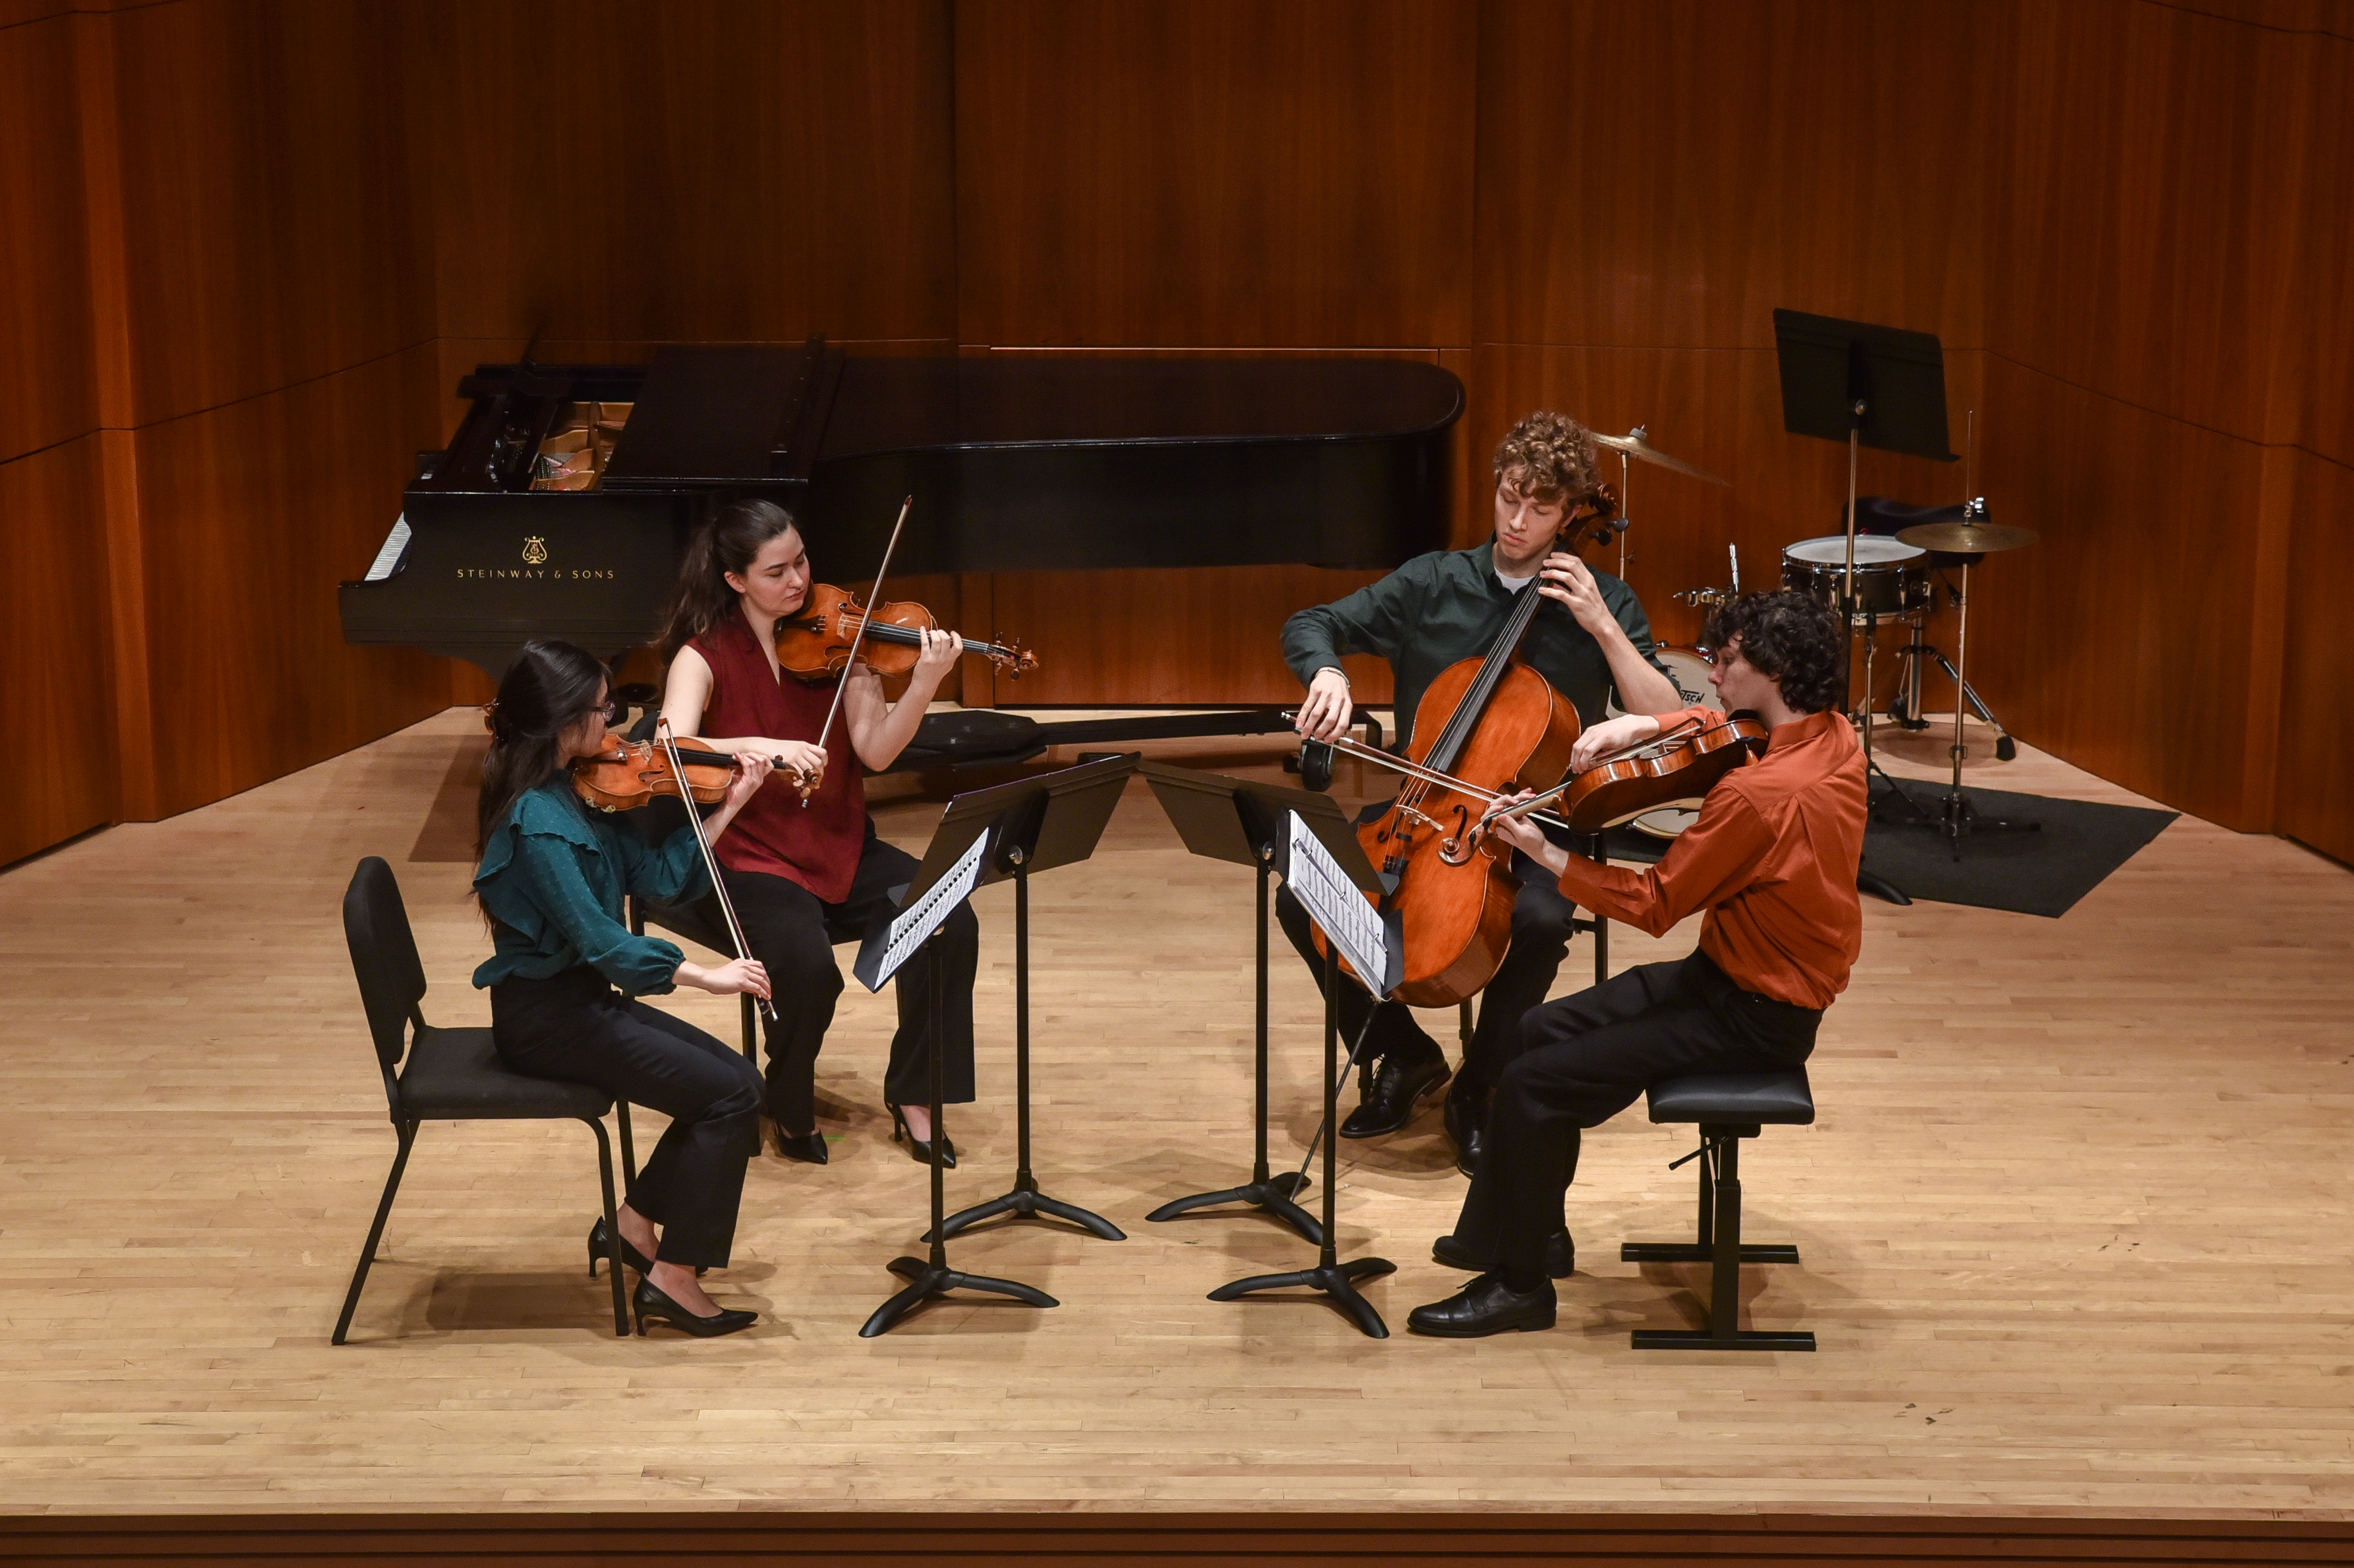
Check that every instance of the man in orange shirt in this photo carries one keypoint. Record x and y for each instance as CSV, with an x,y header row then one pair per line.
x,y
1772,859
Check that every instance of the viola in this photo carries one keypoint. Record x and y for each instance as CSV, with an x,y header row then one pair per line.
x,y
1683,762
629,773
816,642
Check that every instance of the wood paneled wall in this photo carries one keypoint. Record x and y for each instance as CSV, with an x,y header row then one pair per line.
x,y
246,247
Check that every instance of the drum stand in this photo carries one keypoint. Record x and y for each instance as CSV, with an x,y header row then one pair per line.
x,y
1906,710
1956,818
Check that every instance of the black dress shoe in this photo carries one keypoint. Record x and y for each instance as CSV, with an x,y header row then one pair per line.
x,y
809,1147
1560,1256
1466,1127
653,1304
1485,1305
921,1149
1396,1090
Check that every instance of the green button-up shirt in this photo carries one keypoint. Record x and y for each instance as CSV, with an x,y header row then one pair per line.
x,y
552,879
1450,605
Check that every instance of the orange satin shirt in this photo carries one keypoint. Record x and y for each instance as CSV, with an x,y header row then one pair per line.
x,y
1772,859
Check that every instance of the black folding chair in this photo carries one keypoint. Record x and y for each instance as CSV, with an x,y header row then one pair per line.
x,y
451,1075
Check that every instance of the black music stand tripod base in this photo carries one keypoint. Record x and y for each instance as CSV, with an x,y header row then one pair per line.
x,y
1957,819
931,1278
1336,1281
1269,1195
1026,1202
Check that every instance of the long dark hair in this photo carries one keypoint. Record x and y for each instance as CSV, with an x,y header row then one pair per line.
x,y
550,687
728,542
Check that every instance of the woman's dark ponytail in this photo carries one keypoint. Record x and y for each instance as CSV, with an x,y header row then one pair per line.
x,y
730,542
550,687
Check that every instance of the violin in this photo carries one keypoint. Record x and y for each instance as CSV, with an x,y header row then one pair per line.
x,y
817,641
629,773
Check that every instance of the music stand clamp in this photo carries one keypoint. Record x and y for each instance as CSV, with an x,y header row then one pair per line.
x,y
1036,824
880,956
1242,823
1865,386
1344,861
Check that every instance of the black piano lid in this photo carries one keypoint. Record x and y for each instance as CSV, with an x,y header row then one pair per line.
x,y
716,414
1049,400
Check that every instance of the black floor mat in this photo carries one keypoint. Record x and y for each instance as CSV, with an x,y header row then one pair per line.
x,y
2040,872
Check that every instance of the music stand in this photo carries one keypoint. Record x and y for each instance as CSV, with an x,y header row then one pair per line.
x,y
1243,822
1037,825
879,957
1874,387
1336,1280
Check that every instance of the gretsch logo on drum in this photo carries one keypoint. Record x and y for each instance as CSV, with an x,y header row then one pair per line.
x,y
535,552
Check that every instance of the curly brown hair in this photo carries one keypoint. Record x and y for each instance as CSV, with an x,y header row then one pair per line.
x,y
1549,457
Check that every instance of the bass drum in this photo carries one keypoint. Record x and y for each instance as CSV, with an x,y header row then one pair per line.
x,y
1690,673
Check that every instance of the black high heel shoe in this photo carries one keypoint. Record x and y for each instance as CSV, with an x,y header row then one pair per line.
x,y
920,1147
809,1147
599,1248
652,1303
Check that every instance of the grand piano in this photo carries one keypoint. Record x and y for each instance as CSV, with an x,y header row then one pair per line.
x,y
567,495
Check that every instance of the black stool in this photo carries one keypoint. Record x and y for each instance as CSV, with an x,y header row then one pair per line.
x,y
1729,1107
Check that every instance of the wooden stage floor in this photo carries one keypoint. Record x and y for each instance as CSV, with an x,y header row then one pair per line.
x,y
2075,1220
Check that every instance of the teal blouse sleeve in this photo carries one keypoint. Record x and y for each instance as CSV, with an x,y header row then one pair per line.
x,y
1373,620
672,872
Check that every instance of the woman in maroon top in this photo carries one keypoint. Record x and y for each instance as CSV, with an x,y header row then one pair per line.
x,y
805,877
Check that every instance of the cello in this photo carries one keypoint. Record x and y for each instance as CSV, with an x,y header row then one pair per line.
x,y
1486,726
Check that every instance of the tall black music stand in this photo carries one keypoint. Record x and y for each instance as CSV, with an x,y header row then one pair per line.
x,y
1037,825
1336,1280
930,1277
1864,385
1244,823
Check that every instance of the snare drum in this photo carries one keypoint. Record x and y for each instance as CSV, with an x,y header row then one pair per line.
x,y
1891,578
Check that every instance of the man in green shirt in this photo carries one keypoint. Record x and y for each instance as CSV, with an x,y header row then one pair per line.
x,y
1593,640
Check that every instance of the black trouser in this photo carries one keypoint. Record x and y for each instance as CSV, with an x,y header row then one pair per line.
x,y
792,933
576,1027
1541,933
1586,1058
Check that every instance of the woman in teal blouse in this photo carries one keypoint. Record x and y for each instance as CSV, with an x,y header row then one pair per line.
x,y
565,974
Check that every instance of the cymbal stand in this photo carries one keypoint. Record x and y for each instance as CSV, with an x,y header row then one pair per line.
x,y
1866,879
1956,818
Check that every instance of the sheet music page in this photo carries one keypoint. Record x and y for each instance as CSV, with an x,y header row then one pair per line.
x,y
920,919
396,544
1349,920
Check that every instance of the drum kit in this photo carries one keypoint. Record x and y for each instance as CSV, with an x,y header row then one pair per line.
x,y
1877,576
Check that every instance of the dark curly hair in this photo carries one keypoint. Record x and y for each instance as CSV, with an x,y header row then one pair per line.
x,y
1793,640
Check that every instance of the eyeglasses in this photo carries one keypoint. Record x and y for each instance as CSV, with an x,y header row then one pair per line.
x,y
613,709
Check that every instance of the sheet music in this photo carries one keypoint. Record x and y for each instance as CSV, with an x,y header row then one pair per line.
x,y
1349,920
911,926
396,544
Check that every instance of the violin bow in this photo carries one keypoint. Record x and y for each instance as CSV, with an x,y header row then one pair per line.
x,y
694,820
873,597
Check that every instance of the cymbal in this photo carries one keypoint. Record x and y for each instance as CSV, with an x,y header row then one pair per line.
x,y
1967,538
1634,444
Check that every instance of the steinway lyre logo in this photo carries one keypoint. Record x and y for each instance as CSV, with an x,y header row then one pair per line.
x,y
535,552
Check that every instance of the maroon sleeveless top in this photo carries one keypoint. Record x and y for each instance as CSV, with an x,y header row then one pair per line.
x,y
816,845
